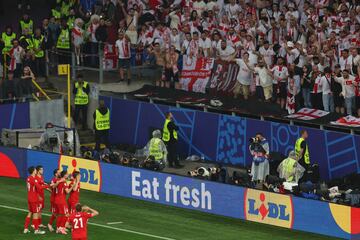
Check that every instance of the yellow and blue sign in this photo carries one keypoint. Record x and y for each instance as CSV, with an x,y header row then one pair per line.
x,y
90,171
269,208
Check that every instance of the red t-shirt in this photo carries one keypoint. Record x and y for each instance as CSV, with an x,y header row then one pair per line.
x,y
52,196
60,194
32,189
357,86
74,195
78,221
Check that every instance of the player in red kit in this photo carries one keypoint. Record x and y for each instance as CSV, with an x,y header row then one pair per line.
x,y
33,202
78,221
40,179
62,209
75,192
53,185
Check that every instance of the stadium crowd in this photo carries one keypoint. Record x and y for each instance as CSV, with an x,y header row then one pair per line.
x,y
294,53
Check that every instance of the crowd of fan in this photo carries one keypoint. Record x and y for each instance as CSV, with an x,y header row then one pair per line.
x,y
295,53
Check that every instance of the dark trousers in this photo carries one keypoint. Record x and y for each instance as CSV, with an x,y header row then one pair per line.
x,y
64,56
101,136
81,109
172,153
40,66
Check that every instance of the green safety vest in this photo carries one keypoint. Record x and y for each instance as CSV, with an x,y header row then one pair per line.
x,y
166,132
288,168
65,8
55,13
29,26
81,97
102,122
298,149
70,22
28,40
154,149
7,41
37,45
63,41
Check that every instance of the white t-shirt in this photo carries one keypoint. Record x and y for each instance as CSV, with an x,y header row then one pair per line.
x,y
226,53
245,75
325,85
264,77
280,74
268,55
205,45
123,46
348,88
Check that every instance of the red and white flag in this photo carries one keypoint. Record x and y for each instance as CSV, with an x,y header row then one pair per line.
x,y
308,114
348,121
196,73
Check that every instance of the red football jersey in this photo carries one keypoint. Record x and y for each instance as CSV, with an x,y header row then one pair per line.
x,y
60,194
41,182
74,195
32,188
78,221
52,196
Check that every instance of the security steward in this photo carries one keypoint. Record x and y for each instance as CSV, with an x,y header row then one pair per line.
x,y
6,40
170,138
81,90
26,24
63,43
38,46
101,125
157,150
302,150
287,168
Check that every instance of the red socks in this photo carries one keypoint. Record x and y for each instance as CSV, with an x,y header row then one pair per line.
x,y
35,222
52,218
27,222
40,220
58,221
64,221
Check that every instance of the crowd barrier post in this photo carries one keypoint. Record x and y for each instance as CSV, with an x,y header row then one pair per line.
x,y
101,62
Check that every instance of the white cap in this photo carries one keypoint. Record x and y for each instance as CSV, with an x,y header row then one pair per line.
x,y
290,44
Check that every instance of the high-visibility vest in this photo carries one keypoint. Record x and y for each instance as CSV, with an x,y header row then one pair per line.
x,y
63,41
55,13
166,132
298,149
70,22
65,9
102,122
288,168
29,26
154,149
28,41
7,41
81,97
37,45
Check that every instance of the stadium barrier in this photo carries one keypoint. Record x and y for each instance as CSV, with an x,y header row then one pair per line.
x,y
211,197
224,138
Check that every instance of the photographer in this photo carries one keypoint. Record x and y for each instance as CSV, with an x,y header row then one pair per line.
x,y
155,152
290,169
259,149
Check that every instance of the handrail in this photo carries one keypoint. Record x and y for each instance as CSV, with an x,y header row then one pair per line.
x,y
35,97
41,90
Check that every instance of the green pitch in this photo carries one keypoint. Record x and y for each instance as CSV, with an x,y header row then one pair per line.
x,y
128,219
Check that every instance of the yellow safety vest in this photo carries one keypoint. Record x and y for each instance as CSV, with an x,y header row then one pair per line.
x,y
166,132
81,97
55,13
154,149
65,8
288,168
7,41
63,41
29,26
70,22
102,122
37,45
298,149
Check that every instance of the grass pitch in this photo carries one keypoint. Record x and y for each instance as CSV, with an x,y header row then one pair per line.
x,y
129,219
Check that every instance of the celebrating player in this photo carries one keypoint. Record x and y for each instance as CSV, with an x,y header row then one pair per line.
x,y
53,185
40,179
33,202
75,192
78,220
62,209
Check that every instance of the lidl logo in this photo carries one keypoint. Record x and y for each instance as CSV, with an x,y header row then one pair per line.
x,y
347,218
89,170
269,208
